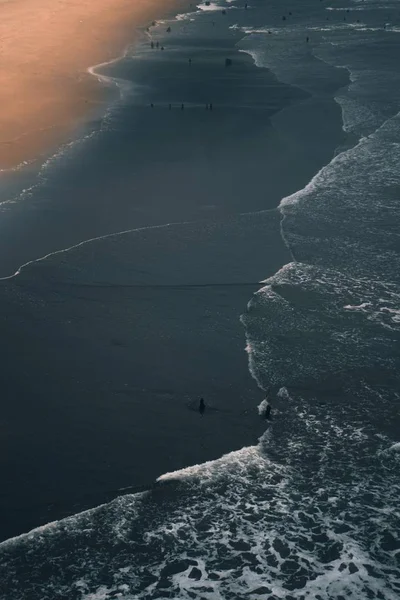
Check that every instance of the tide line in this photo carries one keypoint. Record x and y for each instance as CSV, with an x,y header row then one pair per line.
x,y
94,239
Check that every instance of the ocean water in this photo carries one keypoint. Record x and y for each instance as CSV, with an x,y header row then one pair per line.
x,y
312,511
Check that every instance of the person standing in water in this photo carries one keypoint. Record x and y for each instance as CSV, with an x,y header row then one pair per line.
x,y
267,410
202,406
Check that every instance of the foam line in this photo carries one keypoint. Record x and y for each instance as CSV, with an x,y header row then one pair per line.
x,y
94,239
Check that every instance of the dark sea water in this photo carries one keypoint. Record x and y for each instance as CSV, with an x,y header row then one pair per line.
x,y
312,511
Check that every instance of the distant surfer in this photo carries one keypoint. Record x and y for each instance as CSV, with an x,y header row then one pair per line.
x,y
202,406
266,413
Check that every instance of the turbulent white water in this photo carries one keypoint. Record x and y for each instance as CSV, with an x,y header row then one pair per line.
x,y
312,511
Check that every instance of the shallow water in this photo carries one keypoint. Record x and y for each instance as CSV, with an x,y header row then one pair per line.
x,y
312,510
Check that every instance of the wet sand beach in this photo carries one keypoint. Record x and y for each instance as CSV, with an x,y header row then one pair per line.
x,y
110,344
225,227
45,51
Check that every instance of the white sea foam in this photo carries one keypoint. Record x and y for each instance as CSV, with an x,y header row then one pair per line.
x,y
395,447
247,524
212,7
89,241
255,55
184,17
306,524
262,407
237,462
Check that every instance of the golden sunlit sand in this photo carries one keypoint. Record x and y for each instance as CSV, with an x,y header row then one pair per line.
x,y
46,47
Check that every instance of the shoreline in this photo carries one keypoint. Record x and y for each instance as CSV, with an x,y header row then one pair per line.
x,y
48,96
144,332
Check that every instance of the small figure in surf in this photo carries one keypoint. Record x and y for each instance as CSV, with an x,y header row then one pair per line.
x,y
267,412
266,405
202,406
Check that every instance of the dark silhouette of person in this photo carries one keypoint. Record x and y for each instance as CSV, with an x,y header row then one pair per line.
x,y
210,105
190,61
202,406
307,39
152,44
158,44
170,106
182,106
267,412
152,105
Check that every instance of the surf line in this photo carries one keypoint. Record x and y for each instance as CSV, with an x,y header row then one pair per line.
x,y
108,79
94,239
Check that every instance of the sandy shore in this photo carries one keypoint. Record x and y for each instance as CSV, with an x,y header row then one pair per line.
x,y
46,48
108,347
